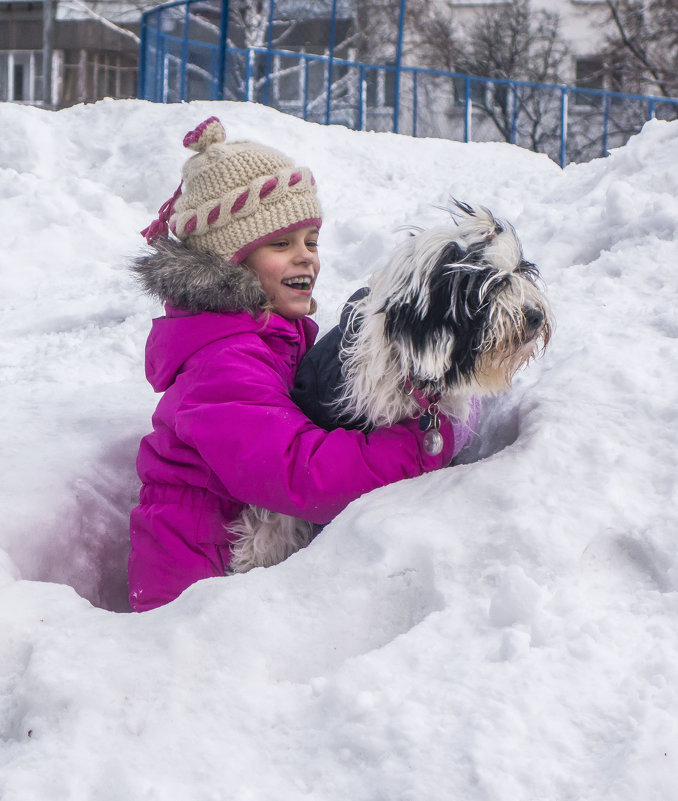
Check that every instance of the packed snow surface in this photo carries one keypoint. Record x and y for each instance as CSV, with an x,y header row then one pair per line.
x,y
505,629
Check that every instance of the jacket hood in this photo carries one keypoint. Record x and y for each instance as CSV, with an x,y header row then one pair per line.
x,y
197,281
180,334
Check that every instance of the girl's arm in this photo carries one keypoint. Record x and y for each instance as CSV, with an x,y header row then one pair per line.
x,y
266,452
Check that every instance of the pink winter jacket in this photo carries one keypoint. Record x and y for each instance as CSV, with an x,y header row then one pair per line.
x,y
226,434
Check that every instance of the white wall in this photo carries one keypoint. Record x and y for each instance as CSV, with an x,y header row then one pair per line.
x,y
583,22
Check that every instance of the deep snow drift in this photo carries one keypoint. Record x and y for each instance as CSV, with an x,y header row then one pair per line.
x,y
504,629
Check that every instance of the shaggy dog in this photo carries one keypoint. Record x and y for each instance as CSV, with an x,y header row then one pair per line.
x,y
453,315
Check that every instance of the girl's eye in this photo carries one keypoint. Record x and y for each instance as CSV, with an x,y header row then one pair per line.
x,y
312,244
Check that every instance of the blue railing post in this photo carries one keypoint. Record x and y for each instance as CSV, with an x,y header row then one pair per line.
x,y
398,66
563,127
514,114
306,72
223,50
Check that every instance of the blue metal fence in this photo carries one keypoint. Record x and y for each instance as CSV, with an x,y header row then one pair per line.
x,y
185,56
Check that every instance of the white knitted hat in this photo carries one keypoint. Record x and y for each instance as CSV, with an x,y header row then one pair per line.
x,y
236,195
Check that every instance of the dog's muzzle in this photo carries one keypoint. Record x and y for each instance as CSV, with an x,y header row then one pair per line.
x,y
534,319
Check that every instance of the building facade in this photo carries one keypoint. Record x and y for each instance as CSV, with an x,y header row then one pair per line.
x,y
87,57
584,27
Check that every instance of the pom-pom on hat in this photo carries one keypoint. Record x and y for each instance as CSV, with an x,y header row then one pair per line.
x,y
236,195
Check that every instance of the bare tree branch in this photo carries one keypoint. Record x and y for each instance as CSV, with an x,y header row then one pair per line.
x,y
644,49
103,20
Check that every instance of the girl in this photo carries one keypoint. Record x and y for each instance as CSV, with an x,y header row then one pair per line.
x,y
237,283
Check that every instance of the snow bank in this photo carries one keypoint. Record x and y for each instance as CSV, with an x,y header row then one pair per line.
x,y
501,629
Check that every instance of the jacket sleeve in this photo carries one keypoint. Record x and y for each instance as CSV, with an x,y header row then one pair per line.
x,y
265,451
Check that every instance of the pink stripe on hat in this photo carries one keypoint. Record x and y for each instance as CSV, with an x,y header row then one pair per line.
x,y
240,201
268,187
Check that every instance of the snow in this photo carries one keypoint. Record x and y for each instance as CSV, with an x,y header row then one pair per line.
x,y
502,629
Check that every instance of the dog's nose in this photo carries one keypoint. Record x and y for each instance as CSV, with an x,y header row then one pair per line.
x,y
533,318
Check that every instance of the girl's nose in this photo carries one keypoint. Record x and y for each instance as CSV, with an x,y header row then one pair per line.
x,y
303,253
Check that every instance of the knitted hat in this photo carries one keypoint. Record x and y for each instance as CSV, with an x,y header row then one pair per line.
x,y
235,196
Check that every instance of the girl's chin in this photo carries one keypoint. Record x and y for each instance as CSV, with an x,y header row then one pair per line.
x,y
293,309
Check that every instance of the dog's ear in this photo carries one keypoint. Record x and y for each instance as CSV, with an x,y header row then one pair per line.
x,y
408,320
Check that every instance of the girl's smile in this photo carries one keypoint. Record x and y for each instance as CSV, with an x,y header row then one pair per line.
x,y
287,268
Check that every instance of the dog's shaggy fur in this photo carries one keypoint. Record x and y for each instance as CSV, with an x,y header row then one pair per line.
x,y
454,314
263,538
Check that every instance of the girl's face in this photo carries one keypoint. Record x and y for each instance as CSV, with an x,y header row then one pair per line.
x,y
287,267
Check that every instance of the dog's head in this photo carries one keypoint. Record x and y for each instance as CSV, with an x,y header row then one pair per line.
x,y
462,308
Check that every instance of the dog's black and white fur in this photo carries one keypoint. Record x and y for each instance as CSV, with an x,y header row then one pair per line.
x,y
453,315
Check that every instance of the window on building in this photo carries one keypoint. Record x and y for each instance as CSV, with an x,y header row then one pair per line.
x,y
589,75
18,82
380,88
21,77
91,76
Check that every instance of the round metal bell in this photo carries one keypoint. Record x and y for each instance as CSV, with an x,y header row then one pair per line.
x,y
433,442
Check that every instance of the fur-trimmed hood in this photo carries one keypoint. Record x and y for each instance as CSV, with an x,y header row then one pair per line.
x,y
197,281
